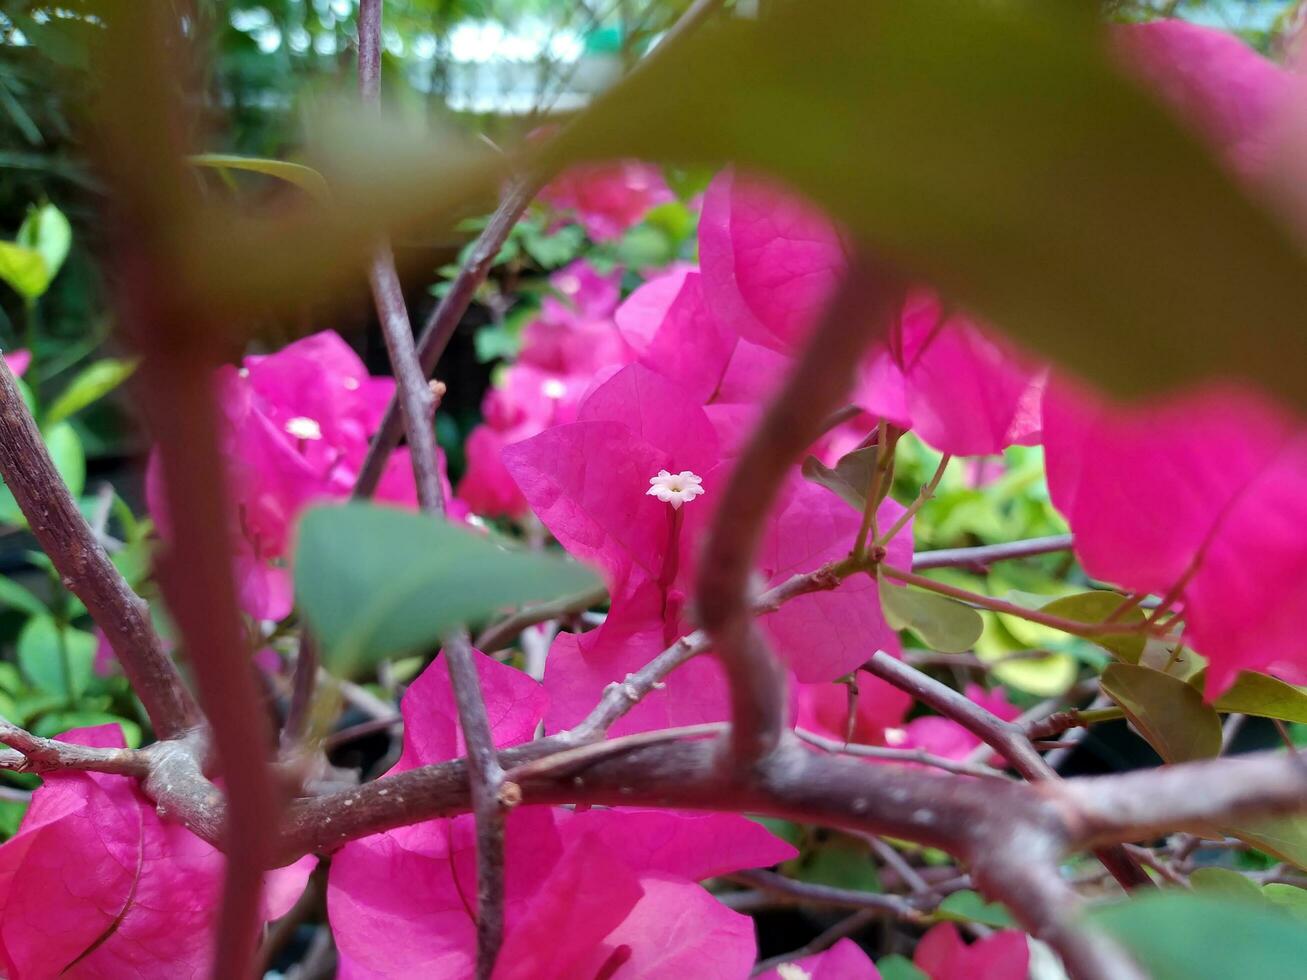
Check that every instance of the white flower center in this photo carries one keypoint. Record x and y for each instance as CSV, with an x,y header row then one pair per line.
x,y
792,971
568,284
553,388
303,428
895,736
675,488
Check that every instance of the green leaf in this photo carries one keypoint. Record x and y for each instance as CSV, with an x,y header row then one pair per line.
x,y
90,385
375,582
24,270
1046,677
57,660
1224,883
1290,898
305,178
839,862
943,624
11,815
849,479
998,151
1096,607
968,906
69,459
47,232
1166,711
18,597
1283,837
1179,935
896,966
1263,696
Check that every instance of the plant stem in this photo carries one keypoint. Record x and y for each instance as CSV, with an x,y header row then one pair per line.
x,y
1071,626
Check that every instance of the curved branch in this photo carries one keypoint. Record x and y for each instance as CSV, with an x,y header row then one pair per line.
x,y
1006,738
866,301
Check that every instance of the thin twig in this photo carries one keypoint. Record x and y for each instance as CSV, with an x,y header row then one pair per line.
x,y
845,927
417,405
444,320
809,893
985,555
917,756
501,634
304,682
1071,626
926,493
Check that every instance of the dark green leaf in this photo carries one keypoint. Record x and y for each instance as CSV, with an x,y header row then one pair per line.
x,y
1166,711
968,906
376,582
896,966
943,624
1185,936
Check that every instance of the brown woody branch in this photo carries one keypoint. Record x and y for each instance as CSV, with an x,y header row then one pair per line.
x,y
1006,738
444,320
85,569
417,406
862,308
983,556
141,117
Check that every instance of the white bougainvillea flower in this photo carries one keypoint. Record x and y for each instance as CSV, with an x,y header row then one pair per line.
x,y
675,488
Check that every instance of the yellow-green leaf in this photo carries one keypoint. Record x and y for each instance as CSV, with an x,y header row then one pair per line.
x,y
23,269
1263,696
1166,711
305,178
943,624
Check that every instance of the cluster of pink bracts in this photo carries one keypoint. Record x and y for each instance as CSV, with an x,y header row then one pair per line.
x,y
617,428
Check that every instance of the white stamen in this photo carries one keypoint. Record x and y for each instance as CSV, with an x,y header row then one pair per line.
x,y
675,488
303,428
553,388
895,736
792,971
